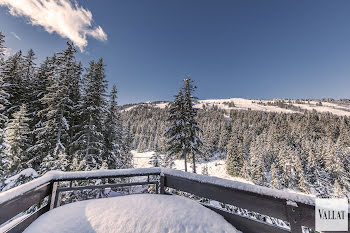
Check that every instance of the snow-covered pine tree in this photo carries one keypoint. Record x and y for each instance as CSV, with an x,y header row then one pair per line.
x,y
60,163
41,82
300,176
176,132
234,158
156,159
2,48
275,176
90,138
224,137
113,133
29,87
12,81
4,102
18,140
74,119
29,84
53,136
168,160
126,155
192,129
28,73
257,166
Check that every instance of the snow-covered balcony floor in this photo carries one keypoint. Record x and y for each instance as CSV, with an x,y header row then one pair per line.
x,y
139,213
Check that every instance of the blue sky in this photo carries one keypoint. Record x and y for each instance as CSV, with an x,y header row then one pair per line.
x,y
231,48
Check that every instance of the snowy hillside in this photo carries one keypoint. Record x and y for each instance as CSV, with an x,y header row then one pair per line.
x,y
274,105
215,167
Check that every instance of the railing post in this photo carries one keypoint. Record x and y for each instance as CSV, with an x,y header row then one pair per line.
x,y
294,217
156,191
161,184
59,197
53,195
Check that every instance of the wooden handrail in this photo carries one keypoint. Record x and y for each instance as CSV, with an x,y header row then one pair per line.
x,y
297,209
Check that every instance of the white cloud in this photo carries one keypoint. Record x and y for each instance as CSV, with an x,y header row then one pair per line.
x,y
16,36
8,52
61,16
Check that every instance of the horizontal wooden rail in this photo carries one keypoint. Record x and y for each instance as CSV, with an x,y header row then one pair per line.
x,y
298,210
110,176
246,224
22,225
252,201
21,203
65,189
295,212
56,194
35,191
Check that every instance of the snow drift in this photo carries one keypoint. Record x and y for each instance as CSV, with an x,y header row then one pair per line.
x,y
132,214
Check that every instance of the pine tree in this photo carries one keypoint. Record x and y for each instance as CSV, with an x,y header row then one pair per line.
x,y
126,155
192,129
53,136
4,103
224,137
300,176
60,163
2,48
183,130
41,82
18,140
12,83
75,95
275,176
90,138
155,159
113,133
234,161
176,132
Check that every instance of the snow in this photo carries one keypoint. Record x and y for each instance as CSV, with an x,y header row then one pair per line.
x,y
301,198
216,167
218,175
10,182
326,107
11,223
133,213
252,104
292,203
141,159
242,104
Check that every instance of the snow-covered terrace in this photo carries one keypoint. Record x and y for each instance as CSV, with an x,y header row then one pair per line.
x,y
290,211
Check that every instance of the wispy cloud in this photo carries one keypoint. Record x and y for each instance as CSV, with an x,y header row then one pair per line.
x,y
16,36
61,16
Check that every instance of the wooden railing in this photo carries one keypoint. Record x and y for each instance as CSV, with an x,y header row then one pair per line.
x,y
297,209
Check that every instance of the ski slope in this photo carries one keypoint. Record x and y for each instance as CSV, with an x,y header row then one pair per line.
x,y
253,104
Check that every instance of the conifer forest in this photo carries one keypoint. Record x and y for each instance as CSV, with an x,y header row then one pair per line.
x,y
60,115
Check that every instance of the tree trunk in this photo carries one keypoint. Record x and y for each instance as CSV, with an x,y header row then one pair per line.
x,y
184,155
194,162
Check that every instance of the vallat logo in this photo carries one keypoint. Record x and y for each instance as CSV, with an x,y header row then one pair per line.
x,y
331,214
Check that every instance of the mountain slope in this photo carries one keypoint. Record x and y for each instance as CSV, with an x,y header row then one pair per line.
x,y
337,107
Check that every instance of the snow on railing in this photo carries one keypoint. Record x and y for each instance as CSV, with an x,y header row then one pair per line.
x,y
296,197
297,209
60,175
